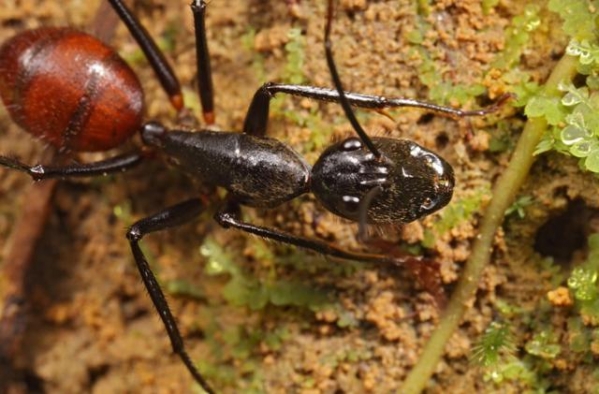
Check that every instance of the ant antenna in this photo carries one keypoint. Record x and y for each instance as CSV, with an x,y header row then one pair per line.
x,y
337,82
363,212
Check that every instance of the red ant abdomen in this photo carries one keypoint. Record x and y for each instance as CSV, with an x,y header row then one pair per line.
x,y
70,89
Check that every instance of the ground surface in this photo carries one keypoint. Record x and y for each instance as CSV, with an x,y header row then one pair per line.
x,y
320,326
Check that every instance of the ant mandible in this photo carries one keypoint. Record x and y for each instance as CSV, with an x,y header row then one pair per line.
x,y
368,180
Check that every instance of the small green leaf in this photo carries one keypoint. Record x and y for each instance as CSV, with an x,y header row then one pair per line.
x,y
583,282
582,148
295,293
572,134
183,287
547,107
543,345
579,22
546,144
592,161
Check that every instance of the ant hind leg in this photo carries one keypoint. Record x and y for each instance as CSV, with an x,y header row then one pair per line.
x,y
167,218
40,172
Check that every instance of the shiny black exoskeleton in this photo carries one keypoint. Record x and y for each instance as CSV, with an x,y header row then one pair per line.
x,y
414,181
264,172
363,179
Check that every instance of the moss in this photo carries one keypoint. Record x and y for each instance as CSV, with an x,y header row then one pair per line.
x,y
458,212
254,292
517,38
518,207
496,343
294,69
573,115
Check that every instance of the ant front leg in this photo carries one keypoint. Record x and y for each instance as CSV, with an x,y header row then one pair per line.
x,y
104,167
425,271
257,115
167,218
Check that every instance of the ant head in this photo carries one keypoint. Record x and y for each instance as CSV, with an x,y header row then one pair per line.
x,y
412,181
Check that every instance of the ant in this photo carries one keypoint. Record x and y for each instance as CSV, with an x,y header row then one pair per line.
x,y
367,180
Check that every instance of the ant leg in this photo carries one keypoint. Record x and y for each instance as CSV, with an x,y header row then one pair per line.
x,y
368,101
38,172
425,270
257,114
155,57
256,118
205,88
228,217
169,217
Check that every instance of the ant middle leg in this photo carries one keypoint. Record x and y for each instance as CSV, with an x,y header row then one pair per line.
x,y
204,70
164,72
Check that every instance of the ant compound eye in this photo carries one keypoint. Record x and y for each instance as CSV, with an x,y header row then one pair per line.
x,y
444,183
430,159
434,162
428,204
351,144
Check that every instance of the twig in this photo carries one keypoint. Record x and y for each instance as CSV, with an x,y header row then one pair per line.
x,y
504,194
24,239
29,228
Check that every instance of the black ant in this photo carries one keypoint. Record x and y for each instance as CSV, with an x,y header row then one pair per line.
x,y
97,104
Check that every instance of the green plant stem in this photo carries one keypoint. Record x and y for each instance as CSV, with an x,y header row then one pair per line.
x,y
504,194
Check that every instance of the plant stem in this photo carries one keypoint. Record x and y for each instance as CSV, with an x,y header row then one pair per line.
x,y
504,194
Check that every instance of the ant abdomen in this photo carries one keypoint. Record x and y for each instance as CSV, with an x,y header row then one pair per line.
x,y
69,89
